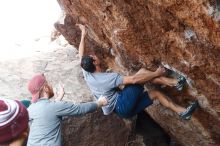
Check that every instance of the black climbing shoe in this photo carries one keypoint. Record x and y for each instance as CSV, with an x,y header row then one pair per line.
x,y
181,83
186,115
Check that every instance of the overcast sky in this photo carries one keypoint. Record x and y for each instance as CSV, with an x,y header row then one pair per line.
x,y
22,21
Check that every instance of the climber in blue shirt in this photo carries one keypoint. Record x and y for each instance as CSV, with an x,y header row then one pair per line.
x,y
132,99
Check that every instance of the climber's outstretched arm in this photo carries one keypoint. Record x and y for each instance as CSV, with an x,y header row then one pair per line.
x,y
82,41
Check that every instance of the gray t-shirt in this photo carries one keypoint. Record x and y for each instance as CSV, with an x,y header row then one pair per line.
x,y
45,118
104,84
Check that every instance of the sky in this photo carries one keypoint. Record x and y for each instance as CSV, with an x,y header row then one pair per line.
x,y
22,22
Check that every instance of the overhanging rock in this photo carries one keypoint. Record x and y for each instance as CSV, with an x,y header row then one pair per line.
x,y
185,35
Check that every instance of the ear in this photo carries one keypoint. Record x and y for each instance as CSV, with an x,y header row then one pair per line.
x,y
46,88
95,63
25,133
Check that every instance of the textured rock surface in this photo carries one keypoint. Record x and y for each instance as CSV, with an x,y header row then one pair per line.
x,y
95,130
183,35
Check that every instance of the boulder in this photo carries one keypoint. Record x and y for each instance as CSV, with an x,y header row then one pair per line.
x,y
182,35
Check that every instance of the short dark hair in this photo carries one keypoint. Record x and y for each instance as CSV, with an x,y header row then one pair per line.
x,y
87,63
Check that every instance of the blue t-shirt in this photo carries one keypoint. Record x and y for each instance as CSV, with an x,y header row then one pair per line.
x,y
105,84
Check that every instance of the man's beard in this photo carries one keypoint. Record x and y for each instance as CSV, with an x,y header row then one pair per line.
x,y
50,92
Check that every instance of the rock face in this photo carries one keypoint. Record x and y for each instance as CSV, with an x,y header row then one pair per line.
x,y
95,130
183,35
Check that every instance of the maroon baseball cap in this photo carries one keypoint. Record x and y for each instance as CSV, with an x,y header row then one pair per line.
x,y
35,85
13,119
